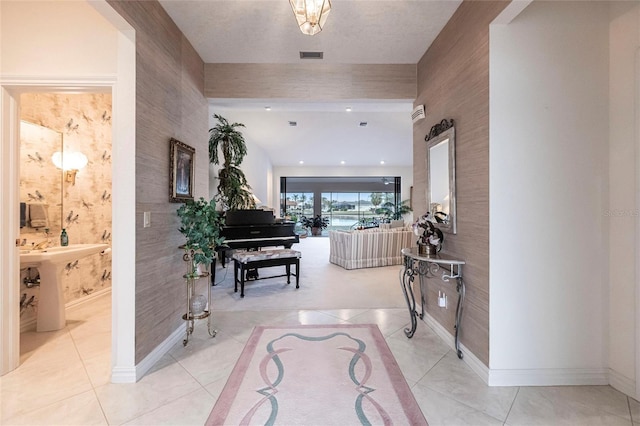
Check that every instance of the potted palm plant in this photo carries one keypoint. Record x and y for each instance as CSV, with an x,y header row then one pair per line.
x,y
234,193
392,211
315,224
200,223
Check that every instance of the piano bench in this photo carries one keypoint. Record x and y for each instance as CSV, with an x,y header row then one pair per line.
x,y
244,260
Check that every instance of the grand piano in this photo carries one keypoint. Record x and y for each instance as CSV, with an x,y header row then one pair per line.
x,y
253,229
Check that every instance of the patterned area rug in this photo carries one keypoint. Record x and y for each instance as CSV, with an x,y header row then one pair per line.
x,y
339,374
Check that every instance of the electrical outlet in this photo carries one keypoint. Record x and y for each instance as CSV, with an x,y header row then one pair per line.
x,y
147,220
442,299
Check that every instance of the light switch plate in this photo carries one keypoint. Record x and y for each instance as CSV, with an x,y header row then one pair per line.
x,y
147,219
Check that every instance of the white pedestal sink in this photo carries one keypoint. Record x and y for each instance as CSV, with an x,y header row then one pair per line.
x,y
50,263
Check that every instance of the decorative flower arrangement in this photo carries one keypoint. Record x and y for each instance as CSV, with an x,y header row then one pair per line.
x,y
427,233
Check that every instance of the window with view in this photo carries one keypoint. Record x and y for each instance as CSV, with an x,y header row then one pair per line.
x,y
348,202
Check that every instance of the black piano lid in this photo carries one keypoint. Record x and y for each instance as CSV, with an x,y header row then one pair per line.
x,y
249,217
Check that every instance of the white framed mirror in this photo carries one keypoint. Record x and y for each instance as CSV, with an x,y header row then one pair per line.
x,y
441,175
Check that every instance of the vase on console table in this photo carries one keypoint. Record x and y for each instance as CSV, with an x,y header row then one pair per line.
x,y
427,249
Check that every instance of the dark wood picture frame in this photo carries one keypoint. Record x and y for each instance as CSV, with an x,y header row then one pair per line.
x,y
182,163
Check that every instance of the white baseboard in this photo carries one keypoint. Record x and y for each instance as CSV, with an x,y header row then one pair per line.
x,y
135,373
30,325
622,383
532,377
150,360
87,298
468,357
123,375
549,377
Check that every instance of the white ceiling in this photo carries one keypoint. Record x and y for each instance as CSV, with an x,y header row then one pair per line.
x,y
326,134
356,32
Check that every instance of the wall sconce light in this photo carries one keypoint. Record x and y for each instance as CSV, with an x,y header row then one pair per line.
x,y
69,162
311,14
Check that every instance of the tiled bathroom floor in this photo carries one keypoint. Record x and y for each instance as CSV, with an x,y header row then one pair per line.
x,y
64,377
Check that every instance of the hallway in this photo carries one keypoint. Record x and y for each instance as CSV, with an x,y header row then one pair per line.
x,y
64,376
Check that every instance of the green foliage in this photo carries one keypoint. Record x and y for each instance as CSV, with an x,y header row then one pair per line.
x,y
376,199
394,212
232,186
315,222
225,136
368,222
326,203
233,190
201,224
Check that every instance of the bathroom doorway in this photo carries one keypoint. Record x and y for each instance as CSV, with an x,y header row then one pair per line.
x,y
122,210
37,62
56,195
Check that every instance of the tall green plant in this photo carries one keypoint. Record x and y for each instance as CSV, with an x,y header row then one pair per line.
x,y
394,212
233,189
376,199
200,223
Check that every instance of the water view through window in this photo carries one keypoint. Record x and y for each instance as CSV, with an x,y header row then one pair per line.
x,y
347,202
349,209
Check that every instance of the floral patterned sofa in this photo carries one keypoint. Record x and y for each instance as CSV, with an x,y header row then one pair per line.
x,y
369,248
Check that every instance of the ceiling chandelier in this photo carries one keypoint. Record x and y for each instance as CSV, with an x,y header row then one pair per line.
x,y
311,14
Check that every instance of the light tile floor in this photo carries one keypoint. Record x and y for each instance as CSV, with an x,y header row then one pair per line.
x,y
64,377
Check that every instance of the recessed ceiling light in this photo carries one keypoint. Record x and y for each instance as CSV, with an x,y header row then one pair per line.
x,y
301,162
342,162
381,161
268,108
348,109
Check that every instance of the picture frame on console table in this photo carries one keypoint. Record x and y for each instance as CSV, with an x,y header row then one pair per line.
x,y
182,164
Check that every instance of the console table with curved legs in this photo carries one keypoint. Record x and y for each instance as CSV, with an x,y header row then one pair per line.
x,y
428,267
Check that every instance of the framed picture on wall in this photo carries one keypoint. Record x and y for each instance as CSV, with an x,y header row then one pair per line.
x,y
182,163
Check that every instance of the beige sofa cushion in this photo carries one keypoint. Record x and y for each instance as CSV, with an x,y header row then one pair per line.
x,y
370,247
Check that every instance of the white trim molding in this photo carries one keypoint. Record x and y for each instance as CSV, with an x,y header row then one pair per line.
x,y
510,12
532,377
135,374
637,230
9,232
79,84
622,383
123,375
549,377
468,357
123,321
